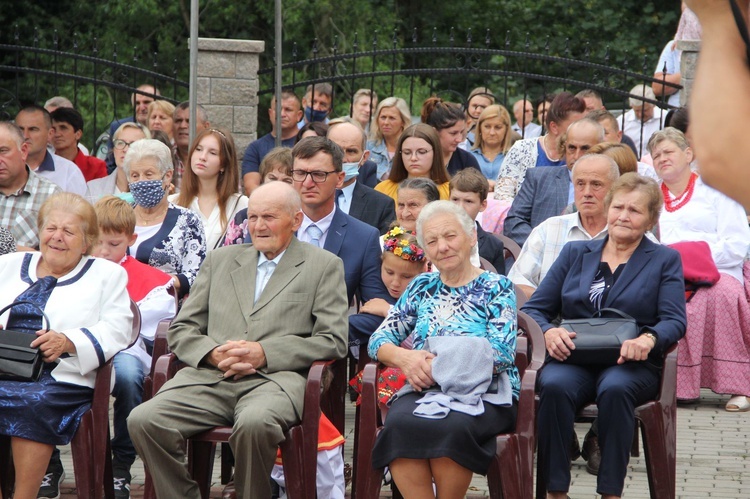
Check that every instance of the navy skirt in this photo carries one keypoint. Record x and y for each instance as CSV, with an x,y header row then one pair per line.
x,y
467,440
45,411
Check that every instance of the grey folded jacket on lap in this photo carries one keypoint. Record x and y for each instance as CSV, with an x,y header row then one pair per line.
x,y
462,369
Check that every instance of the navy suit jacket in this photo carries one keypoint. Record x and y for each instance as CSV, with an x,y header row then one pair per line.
x,y
358,245
650,289
543,194
372,207
491,249
368,174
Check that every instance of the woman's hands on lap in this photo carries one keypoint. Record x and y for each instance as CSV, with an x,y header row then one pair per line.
x,y
52,344
417,367
559,343
636,349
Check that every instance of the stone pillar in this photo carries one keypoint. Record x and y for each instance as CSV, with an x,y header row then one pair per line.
x,y
228,86
688,61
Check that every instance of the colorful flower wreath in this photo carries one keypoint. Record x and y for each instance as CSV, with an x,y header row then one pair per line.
x,y
397,241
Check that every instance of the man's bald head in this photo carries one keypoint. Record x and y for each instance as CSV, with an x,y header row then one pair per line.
x,y
581,136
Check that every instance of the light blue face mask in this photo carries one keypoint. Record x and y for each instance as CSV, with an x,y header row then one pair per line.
x,y
351,170
127,197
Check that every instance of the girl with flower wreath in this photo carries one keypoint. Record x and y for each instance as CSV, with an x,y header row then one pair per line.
x,y
403,260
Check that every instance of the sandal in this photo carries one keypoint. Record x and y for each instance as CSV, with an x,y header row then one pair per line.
x,y
738,403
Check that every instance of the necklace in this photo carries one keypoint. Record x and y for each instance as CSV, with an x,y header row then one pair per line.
x,y
546,150
158,217
674,203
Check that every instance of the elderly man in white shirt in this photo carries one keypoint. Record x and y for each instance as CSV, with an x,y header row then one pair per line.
x,y
642,115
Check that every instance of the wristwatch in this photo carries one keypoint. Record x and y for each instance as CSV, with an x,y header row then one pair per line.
x,y
649,334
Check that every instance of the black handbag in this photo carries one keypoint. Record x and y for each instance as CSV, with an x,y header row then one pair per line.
x,y
18,361
598,340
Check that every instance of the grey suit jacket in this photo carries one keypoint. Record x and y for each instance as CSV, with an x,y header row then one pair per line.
x,y
372,207
299,318
543,194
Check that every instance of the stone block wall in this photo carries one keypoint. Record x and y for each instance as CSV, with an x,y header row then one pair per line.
x,y
228,85
688,61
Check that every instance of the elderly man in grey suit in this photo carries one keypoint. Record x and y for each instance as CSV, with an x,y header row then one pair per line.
x,y
258,316
546,191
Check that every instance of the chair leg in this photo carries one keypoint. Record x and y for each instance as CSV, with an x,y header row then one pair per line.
x,y
201,464
82,449
660,446
506,464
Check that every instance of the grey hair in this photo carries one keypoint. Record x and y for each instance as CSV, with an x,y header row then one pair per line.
x,y
149,149
671,134
131,124
350,121
614,170
443,208
642,91
58,101
15,132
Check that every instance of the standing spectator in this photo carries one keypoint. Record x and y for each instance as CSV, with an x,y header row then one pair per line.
x,y
641,122
316,104
22,192
291,113
67,130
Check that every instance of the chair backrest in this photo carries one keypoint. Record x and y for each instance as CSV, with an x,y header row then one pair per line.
x,y
529,330
485,264
511,250
521,297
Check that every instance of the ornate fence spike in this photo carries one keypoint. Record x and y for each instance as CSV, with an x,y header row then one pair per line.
x,y
414,36
487,38
468,38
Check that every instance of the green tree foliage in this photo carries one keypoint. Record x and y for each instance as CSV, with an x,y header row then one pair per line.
x,y
634,31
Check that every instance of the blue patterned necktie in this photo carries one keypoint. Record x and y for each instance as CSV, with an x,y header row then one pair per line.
x,y
315,233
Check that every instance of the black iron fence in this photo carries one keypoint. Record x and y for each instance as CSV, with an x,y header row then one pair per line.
x,y
415,67
99,81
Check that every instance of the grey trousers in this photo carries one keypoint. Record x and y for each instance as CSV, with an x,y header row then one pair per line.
x,y
257,409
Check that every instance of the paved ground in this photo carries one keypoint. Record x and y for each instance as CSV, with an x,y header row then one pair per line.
x,y
713,458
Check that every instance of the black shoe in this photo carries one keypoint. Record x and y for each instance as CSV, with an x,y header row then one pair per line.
x,y
591,453
121,475
50,488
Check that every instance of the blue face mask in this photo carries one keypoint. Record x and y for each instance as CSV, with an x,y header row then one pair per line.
x,y
314,115
351,170
147,193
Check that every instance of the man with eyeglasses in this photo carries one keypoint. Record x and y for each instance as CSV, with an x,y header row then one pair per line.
x,y
546,191
317,174
36,125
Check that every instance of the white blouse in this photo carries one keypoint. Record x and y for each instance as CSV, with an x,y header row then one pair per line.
x,y
212,224
712,217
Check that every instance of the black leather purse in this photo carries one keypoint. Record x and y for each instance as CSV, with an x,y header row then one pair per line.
x,y
598,340
18,361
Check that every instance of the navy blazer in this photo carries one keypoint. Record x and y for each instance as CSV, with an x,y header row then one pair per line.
x,y
543,194
491,249
650,289
358,245
368,174
372,207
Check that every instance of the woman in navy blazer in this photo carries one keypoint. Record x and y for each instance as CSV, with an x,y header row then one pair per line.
x,y
628,272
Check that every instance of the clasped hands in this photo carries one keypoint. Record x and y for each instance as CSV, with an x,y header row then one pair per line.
x,y
417,367
238,358
559,344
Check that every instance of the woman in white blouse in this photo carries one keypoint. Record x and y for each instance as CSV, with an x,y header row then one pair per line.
x,y
715,352
210,185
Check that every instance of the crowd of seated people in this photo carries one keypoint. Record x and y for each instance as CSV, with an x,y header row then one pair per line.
x,y
572,193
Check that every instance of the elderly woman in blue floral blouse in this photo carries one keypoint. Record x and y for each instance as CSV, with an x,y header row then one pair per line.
x,y
462,383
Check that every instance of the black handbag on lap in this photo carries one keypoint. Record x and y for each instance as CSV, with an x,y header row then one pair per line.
x,y
18,361
598,340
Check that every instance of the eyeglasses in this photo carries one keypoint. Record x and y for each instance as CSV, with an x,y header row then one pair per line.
x,y
121,144
317,176
419,153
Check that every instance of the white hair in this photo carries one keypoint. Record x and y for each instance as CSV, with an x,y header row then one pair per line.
x,y
443,208
643,92
149,148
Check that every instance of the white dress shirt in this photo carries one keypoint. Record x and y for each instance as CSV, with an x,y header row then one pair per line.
x,y
323,224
